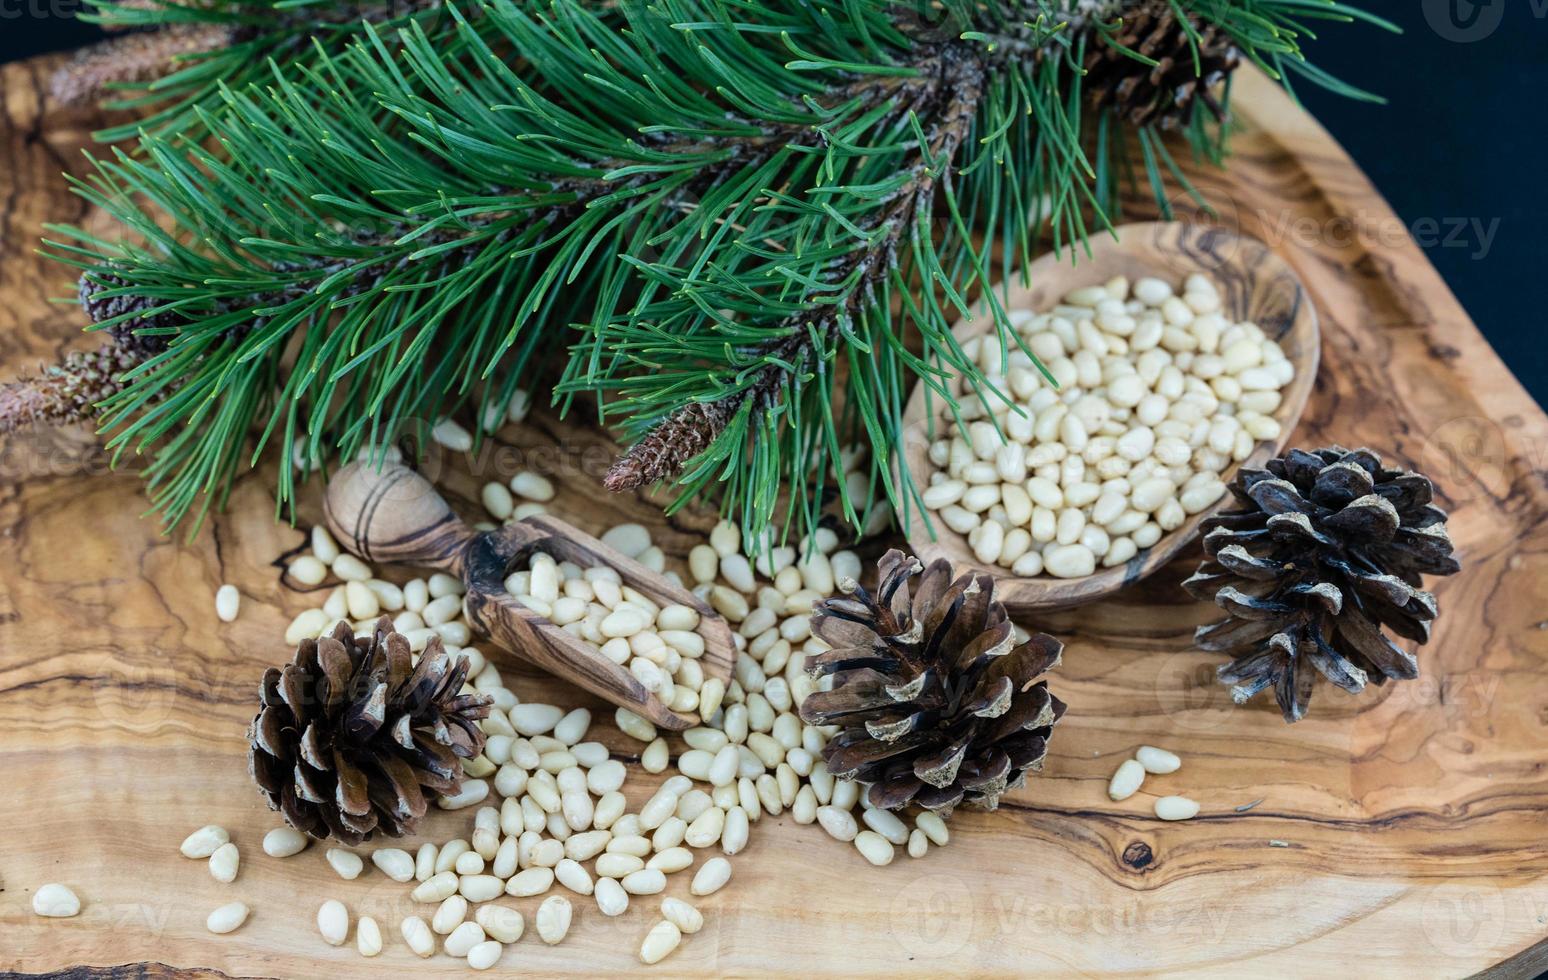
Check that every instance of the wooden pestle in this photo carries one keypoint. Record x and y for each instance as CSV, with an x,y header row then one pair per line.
x,y
395,515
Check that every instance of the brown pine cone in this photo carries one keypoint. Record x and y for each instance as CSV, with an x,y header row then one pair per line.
x,y
937,702
1163,94
1322,550
353,738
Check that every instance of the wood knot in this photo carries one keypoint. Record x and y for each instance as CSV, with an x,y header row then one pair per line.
x,y
1138,855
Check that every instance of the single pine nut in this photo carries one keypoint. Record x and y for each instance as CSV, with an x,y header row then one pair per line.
x,y
449,915
711,876
839,823
418,936
368,936
1126,780
611,897
1158,761
1176,808
532,881
886,823
663,937
647,881
333,922
224,863
395,863
347,863
437,888
678,912
227,602
282,842
501,923
485,955
55,901
553,919
463,938
874,847
205,841
227,918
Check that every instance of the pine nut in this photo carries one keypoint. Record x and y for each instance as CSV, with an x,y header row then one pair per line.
x,y
368,936
887,824
485,955
839,823
711,876
553,919
1158,761
934,828
227,603
611,898
282,842
347,863
1176,808
394,863
224,863
659,943
1126,780
227,918
333,922
417,935
437,888
647,881
463,939
874,847
55,901
685,917
449,915
205,841
501,923
532,881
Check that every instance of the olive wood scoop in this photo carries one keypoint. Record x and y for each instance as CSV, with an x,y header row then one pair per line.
x,y
395,515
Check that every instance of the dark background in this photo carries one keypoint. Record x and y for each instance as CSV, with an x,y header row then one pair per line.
x,y
1459,151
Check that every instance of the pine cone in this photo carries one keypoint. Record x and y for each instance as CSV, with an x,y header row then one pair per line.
x,y
1324,549
1163,94
137,56
100,309
66,393
353,737
937,703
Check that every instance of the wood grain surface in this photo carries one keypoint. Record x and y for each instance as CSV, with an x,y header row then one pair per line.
x,y
1398,834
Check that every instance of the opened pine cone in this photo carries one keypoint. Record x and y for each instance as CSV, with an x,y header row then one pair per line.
x,y
353,738
937,702
1322,550
1188,60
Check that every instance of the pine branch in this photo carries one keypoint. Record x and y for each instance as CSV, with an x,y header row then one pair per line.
x,y
760,217
945,104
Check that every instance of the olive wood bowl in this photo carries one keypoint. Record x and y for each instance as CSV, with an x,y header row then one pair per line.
x,y
1255,285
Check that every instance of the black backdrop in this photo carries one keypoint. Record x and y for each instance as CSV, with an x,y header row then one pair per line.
x,y
1459,151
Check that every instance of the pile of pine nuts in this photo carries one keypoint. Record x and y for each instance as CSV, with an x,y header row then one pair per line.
x,y
547,801
1158,396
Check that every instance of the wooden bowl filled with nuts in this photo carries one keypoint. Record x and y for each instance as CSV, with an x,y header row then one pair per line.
x,y
1180,352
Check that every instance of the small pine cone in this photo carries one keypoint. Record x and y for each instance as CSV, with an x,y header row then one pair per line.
x,y
937,702
66,393
353,738
1163,94
1323,550
101,309
139,56
664,451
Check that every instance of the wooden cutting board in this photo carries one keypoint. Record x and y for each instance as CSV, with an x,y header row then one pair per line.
x,y
1401,831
